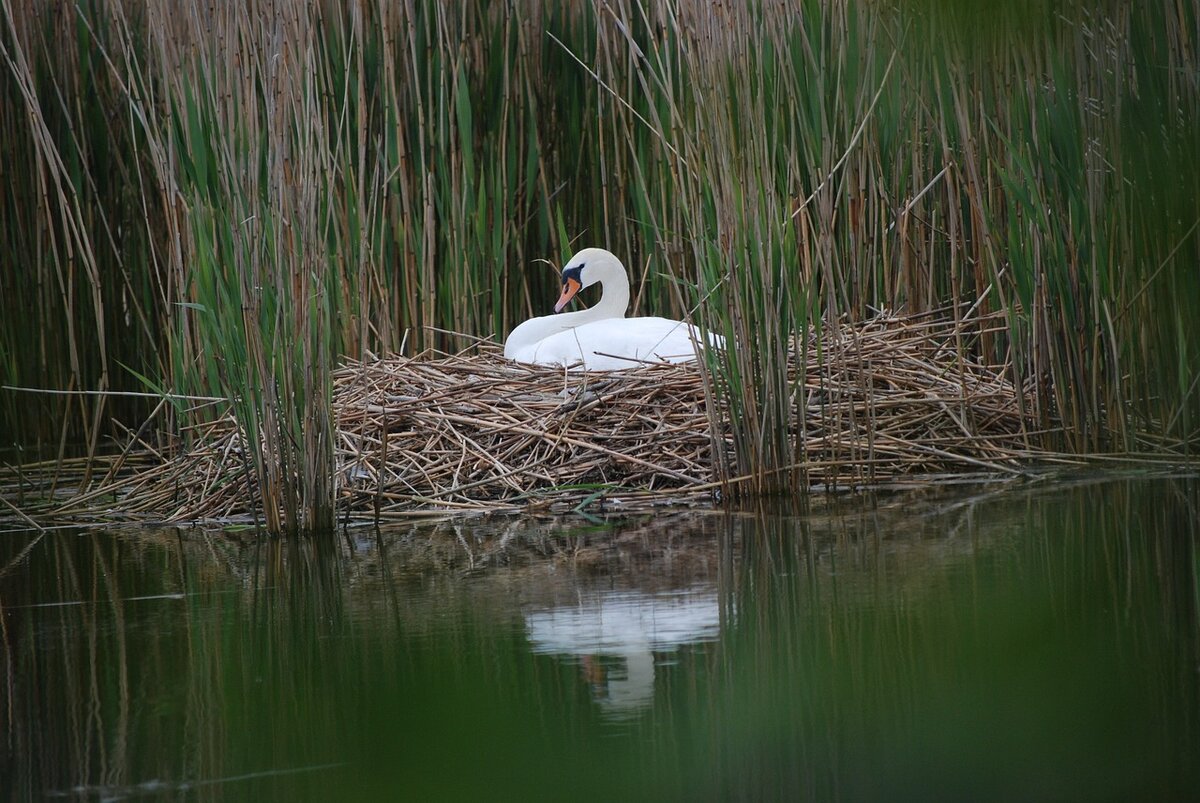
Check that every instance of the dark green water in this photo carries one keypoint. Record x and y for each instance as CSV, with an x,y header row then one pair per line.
x,y
1017,645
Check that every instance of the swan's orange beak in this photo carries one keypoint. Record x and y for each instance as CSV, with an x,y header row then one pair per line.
x,y
570,288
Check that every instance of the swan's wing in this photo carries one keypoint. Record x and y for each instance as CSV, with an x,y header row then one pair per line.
x,y
629,342
614,344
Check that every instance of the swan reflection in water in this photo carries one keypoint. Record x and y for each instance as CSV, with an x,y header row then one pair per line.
x,y
617,634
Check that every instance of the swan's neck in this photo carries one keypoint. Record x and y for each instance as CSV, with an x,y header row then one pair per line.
x,y
614,301
614,294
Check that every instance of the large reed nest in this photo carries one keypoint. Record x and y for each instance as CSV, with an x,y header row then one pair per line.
x,y
883,401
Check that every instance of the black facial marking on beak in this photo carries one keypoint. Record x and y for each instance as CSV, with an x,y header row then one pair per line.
x,y
571,284
572,272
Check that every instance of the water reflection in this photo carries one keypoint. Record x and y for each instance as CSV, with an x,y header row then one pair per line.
x,y
618,636
1011,645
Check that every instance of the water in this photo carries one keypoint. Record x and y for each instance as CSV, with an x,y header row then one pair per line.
x,y
1011,645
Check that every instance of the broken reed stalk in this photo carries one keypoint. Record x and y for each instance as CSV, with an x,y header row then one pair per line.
x,y
879,400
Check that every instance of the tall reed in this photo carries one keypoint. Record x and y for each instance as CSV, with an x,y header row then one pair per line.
x,y
219,200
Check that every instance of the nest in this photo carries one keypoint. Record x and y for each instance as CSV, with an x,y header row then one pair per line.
x,y
880,401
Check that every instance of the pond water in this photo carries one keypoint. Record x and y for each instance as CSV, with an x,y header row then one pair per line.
x,y
1014,644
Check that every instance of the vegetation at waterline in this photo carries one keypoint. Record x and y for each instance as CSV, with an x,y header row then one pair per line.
x,y
218,200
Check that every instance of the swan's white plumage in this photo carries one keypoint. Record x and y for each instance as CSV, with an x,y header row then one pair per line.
x,y
602,338
613,344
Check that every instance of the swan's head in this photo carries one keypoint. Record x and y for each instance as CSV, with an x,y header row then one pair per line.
x,y
589,266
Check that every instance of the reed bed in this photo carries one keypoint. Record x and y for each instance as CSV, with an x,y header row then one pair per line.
x,y
879,400
226,199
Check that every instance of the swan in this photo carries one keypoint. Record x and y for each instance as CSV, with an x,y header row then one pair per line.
x,y
601,338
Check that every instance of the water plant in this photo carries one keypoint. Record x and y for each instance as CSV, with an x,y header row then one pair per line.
x,y
218,201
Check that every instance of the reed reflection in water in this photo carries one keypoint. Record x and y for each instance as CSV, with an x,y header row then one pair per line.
x,y
1023,644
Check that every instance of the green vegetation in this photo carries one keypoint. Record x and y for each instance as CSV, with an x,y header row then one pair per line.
x,y
217,200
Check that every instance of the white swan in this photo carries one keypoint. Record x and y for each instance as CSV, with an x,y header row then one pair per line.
x,y
601,338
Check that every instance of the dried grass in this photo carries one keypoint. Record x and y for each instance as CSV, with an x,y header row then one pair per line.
x,y
881,400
